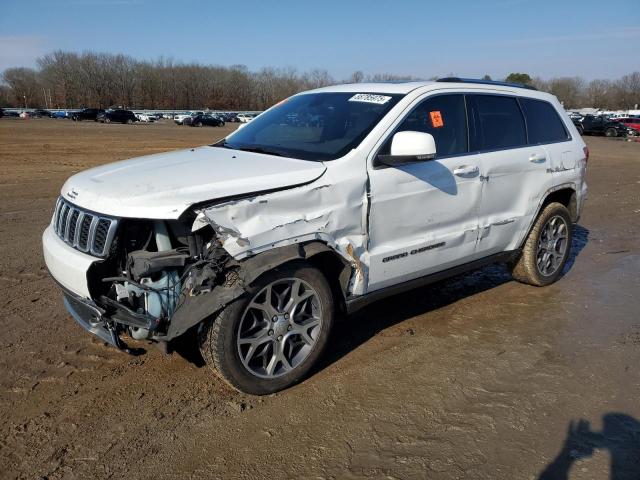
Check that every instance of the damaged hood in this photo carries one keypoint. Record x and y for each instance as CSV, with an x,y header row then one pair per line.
x,y
164,185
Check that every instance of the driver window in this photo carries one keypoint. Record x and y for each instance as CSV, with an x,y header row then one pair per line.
x,y
444,117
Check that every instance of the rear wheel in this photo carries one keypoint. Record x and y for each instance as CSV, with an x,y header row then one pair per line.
x,y
611,132
547,247
272,336
129,121
199,124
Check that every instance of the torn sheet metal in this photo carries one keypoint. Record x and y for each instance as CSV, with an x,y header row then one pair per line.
x,y
328,211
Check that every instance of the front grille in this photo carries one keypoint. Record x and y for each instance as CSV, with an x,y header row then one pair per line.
x,y
84,231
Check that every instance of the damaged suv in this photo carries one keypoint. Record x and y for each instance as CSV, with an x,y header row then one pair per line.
x,y
331,199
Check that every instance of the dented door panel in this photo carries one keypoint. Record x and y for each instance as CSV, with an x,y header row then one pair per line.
x,y
423,218
513,182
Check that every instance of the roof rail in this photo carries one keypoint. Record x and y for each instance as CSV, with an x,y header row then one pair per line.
x,y
485,82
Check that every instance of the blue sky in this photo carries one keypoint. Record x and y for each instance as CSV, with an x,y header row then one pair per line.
x,y
590,38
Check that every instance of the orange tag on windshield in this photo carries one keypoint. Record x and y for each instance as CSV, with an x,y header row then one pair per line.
x,y
436,119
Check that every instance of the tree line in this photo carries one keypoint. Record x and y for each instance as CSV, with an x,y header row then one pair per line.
x,y
72,80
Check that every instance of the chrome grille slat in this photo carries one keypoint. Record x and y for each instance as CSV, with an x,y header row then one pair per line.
x,y
84,231
78,227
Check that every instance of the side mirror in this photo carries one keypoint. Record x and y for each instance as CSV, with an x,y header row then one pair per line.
x,y
408,147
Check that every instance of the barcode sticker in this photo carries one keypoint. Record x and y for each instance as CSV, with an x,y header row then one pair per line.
x,y
370,98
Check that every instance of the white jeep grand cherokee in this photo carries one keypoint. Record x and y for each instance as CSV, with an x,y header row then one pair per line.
x,y
331,199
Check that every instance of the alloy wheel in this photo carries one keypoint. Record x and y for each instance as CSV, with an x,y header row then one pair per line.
x,y
279,328
552,245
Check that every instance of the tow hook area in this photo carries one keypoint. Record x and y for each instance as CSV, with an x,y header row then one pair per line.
x,y
119,344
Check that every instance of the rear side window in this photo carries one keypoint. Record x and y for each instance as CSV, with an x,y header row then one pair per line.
x,y
543,123
496,123
443,116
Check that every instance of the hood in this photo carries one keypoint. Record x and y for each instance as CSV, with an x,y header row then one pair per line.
x,y
164,185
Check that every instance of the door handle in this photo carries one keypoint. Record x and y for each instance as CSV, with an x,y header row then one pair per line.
x,y
466,171
538,158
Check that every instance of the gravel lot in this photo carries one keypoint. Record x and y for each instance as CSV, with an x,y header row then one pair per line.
x,y
478,377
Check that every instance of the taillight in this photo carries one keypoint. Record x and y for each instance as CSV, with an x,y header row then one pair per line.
x,y
586,154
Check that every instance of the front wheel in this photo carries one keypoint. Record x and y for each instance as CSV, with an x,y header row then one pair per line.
x,y
272,336
547,247
199,124
107,120
580,130
611,132
129,121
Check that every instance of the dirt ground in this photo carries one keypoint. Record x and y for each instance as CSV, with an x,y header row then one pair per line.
x,y
478,377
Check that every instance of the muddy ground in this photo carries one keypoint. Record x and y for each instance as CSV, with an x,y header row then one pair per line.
x,y
478,377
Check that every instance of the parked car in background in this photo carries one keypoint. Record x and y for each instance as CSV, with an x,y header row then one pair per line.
x,y
600,125
246,117
24,115
144,117
630,122
118,116
40,113
59,114
180,118
11,114
206,119
1,112
188,120
86,114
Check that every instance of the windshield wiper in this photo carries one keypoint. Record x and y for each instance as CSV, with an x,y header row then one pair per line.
x,y
222,144
258,149
254,149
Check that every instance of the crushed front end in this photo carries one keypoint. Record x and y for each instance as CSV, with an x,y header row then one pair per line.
x,y
132,276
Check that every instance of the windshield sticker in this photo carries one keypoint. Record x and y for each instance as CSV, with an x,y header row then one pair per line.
x,y
436,119
370,98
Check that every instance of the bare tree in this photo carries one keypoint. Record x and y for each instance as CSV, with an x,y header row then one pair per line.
x,y
89,79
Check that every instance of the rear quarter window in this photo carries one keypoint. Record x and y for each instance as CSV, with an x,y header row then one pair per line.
x,y
543,122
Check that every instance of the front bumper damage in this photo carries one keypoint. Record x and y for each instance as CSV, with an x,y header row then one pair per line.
x,y
94,320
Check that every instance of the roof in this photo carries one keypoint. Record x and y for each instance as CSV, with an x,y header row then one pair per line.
x,y
403,88
376,87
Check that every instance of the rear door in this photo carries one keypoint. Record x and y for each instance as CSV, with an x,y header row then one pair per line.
x,y
514,173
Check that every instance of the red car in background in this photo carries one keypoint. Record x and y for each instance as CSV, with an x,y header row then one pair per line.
x,y
631,122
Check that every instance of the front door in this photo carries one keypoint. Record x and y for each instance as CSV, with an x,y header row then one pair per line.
x,y
423,216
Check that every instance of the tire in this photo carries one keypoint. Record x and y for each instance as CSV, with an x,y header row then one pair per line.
x,y
220,337
580,130
199,124
611,132
107,120
129,121
536,268
221,124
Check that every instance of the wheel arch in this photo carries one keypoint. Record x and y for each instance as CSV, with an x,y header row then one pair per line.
x,y
564,194
244,272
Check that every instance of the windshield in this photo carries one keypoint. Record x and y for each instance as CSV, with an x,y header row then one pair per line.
x,y
314,126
